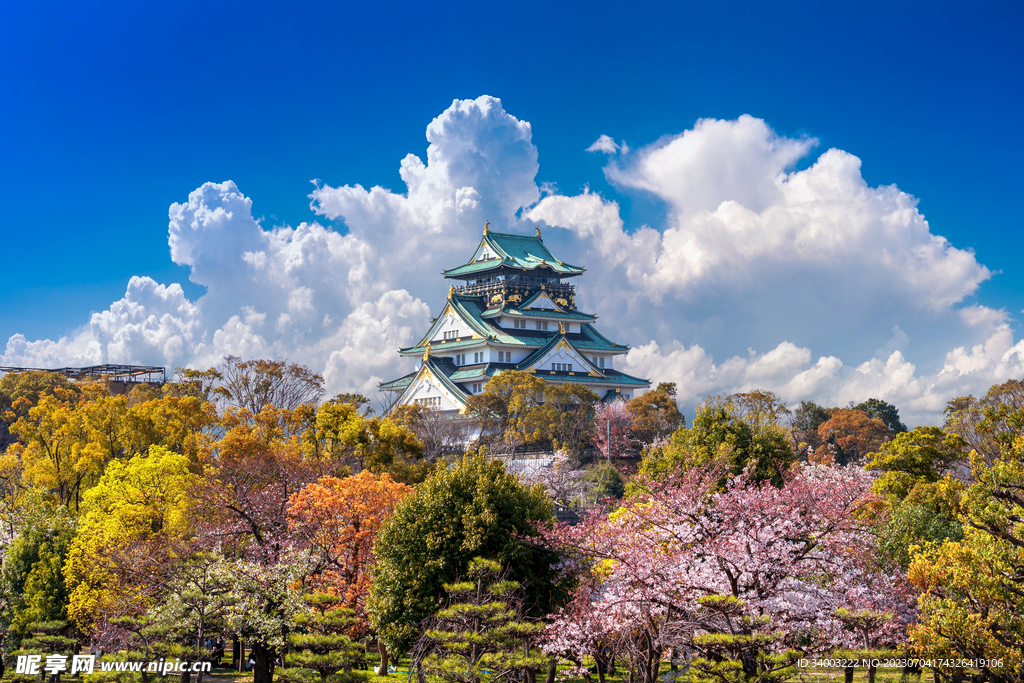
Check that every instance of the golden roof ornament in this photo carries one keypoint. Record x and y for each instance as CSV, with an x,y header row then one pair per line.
x,y
538,232
426,354
561,327
451,291
487,224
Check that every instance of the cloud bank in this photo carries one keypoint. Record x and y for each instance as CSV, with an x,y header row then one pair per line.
x,y
762,275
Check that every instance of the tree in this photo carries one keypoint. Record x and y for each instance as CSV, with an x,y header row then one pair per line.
x,y
655,415
566,484
480,635
25,389
439,432
256,384
321,640
988,424
34,586
924,455
50,637
606,480
357,401
613,424
339,521
686,563
507,409
928,514
195,602
133,524
55,451
848,436
760,409
567,416
886,412
806,420
341,436
251,475
472,508
972,602
719,435
265,610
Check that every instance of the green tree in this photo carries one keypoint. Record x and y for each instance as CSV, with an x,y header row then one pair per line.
x,y
878,409
760,409
922,498
928,514
341,436
48,637
479,635
265,610
469,509
925,454
321,643
33,567
507,409
747,651
606,480
719,435
357,401
195,602
567,417
972,588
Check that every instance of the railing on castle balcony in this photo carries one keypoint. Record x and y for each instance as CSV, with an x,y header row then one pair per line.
x,y
488,288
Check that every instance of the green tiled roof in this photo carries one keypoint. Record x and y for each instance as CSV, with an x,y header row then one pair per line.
x,y
523,252
612,377
536,355
400,383
587,339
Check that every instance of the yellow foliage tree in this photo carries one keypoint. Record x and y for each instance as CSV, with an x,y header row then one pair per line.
x,y
134,521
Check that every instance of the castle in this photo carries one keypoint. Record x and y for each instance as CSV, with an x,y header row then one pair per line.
x,y
512,309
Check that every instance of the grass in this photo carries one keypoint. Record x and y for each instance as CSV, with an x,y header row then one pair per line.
x,y
806,675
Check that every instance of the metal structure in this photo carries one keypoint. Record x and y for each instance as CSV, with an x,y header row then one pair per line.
x,y
152,374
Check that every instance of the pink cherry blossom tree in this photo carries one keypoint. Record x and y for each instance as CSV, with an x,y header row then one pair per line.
x,y
740,578
612,419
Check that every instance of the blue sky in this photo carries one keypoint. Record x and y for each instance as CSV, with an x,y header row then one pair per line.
x,y
112,112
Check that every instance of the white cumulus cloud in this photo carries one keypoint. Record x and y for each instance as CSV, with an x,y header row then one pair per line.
x,y
807,282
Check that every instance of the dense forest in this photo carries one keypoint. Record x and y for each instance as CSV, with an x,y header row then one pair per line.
x,y
236,515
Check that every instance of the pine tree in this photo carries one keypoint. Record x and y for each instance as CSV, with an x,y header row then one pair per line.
x,y
324,646
47,637
479,636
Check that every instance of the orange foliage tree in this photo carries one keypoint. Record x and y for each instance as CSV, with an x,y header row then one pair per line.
x,y
848,436
339,520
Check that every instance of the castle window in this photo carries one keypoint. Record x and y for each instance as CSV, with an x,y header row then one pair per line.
x,y
542,325
600,362
476,388
451,334
519,324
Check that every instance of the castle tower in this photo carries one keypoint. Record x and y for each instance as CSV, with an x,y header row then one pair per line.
x,y
511,307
